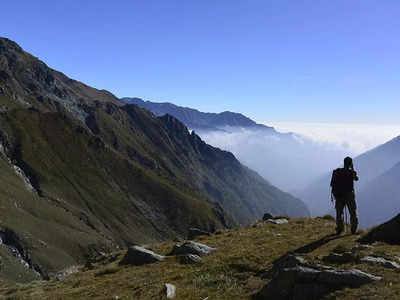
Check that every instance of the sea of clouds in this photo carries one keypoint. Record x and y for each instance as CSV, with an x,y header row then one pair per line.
x,y
314,149
355,138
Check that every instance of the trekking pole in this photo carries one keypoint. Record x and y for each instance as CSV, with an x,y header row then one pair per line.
x,y
345,219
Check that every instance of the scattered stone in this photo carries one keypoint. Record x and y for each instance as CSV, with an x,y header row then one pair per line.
x,y
189,259
170,290
380,261
278,221
344,258
60,276
267,216
191,247
312,282
195,232
294,278
140,256
360,247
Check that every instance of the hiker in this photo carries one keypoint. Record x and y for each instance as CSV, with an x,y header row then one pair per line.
x,y
342,184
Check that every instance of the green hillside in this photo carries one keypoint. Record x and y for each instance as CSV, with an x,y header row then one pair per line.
x,y
85,174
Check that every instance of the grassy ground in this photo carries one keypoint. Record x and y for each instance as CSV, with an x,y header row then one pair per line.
x,y
231,272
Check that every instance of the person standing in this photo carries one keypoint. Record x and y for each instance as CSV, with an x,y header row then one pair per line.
x,y
342,184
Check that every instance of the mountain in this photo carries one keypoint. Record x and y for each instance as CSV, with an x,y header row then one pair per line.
x,y
284,159
198,120
377,170
380,198
85,173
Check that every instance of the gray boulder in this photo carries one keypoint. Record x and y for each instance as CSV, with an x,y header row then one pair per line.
x,y
310,281
170,291
380,261
140,256
191,247
189,259
278,221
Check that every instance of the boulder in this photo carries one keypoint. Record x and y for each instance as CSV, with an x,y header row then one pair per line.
x,y
191,247
170,291
189,259
306,281
278,221
267,216
140,256
380,261
195,232
61,275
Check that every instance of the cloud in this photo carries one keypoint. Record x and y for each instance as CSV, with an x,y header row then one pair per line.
x,y
286,161
354,138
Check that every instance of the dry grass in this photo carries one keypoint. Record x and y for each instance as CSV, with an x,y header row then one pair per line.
x,y
229,273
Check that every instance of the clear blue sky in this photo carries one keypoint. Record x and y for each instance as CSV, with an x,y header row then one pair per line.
x,y
316,60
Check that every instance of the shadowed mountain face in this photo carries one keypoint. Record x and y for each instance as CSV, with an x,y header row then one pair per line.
x,y
82,172
287,160
376,191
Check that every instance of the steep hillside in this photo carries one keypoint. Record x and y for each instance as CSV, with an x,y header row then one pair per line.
x,y
284,159
257,262
370,166
87,174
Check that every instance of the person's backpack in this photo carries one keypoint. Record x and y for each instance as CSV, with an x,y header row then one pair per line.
x,y
342,182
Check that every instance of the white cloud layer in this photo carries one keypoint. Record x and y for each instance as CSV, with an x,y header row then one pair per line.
x,y
353,138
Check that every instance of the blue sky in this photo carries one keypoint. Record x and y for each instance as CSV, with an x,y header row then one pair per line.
x,y
302,61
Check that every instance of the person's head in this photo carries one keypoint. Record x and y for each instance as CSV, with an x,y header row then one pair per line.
x,y
348,163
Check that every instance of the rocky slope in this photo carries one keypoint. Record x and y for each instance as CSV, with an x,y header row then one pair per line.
x,y
84,173
300,259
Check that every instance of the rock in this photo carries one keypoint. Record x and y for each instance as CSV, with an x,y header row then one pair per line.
x,y
360,247
381,262
189,259
267,216
287,261
310,281
191,247
65,273
344,258
278,221
195,232
140,256
170,290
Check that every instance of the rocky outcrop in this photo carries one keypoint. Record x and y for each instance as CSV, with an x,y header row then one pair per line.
x,y
188,259
380,261
140,256
192,248
293,278
387,232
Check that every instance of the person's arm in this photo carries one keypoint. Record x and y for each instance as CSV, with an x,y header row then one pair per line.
x,y
355,176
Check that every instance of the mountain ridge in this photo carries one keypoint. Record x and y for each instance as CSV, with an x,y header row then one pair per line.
x,y
105,174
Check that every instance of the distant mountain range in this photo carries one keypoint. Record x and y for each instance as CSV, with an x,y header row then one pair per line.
x,y
198,120
284,159
84,173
